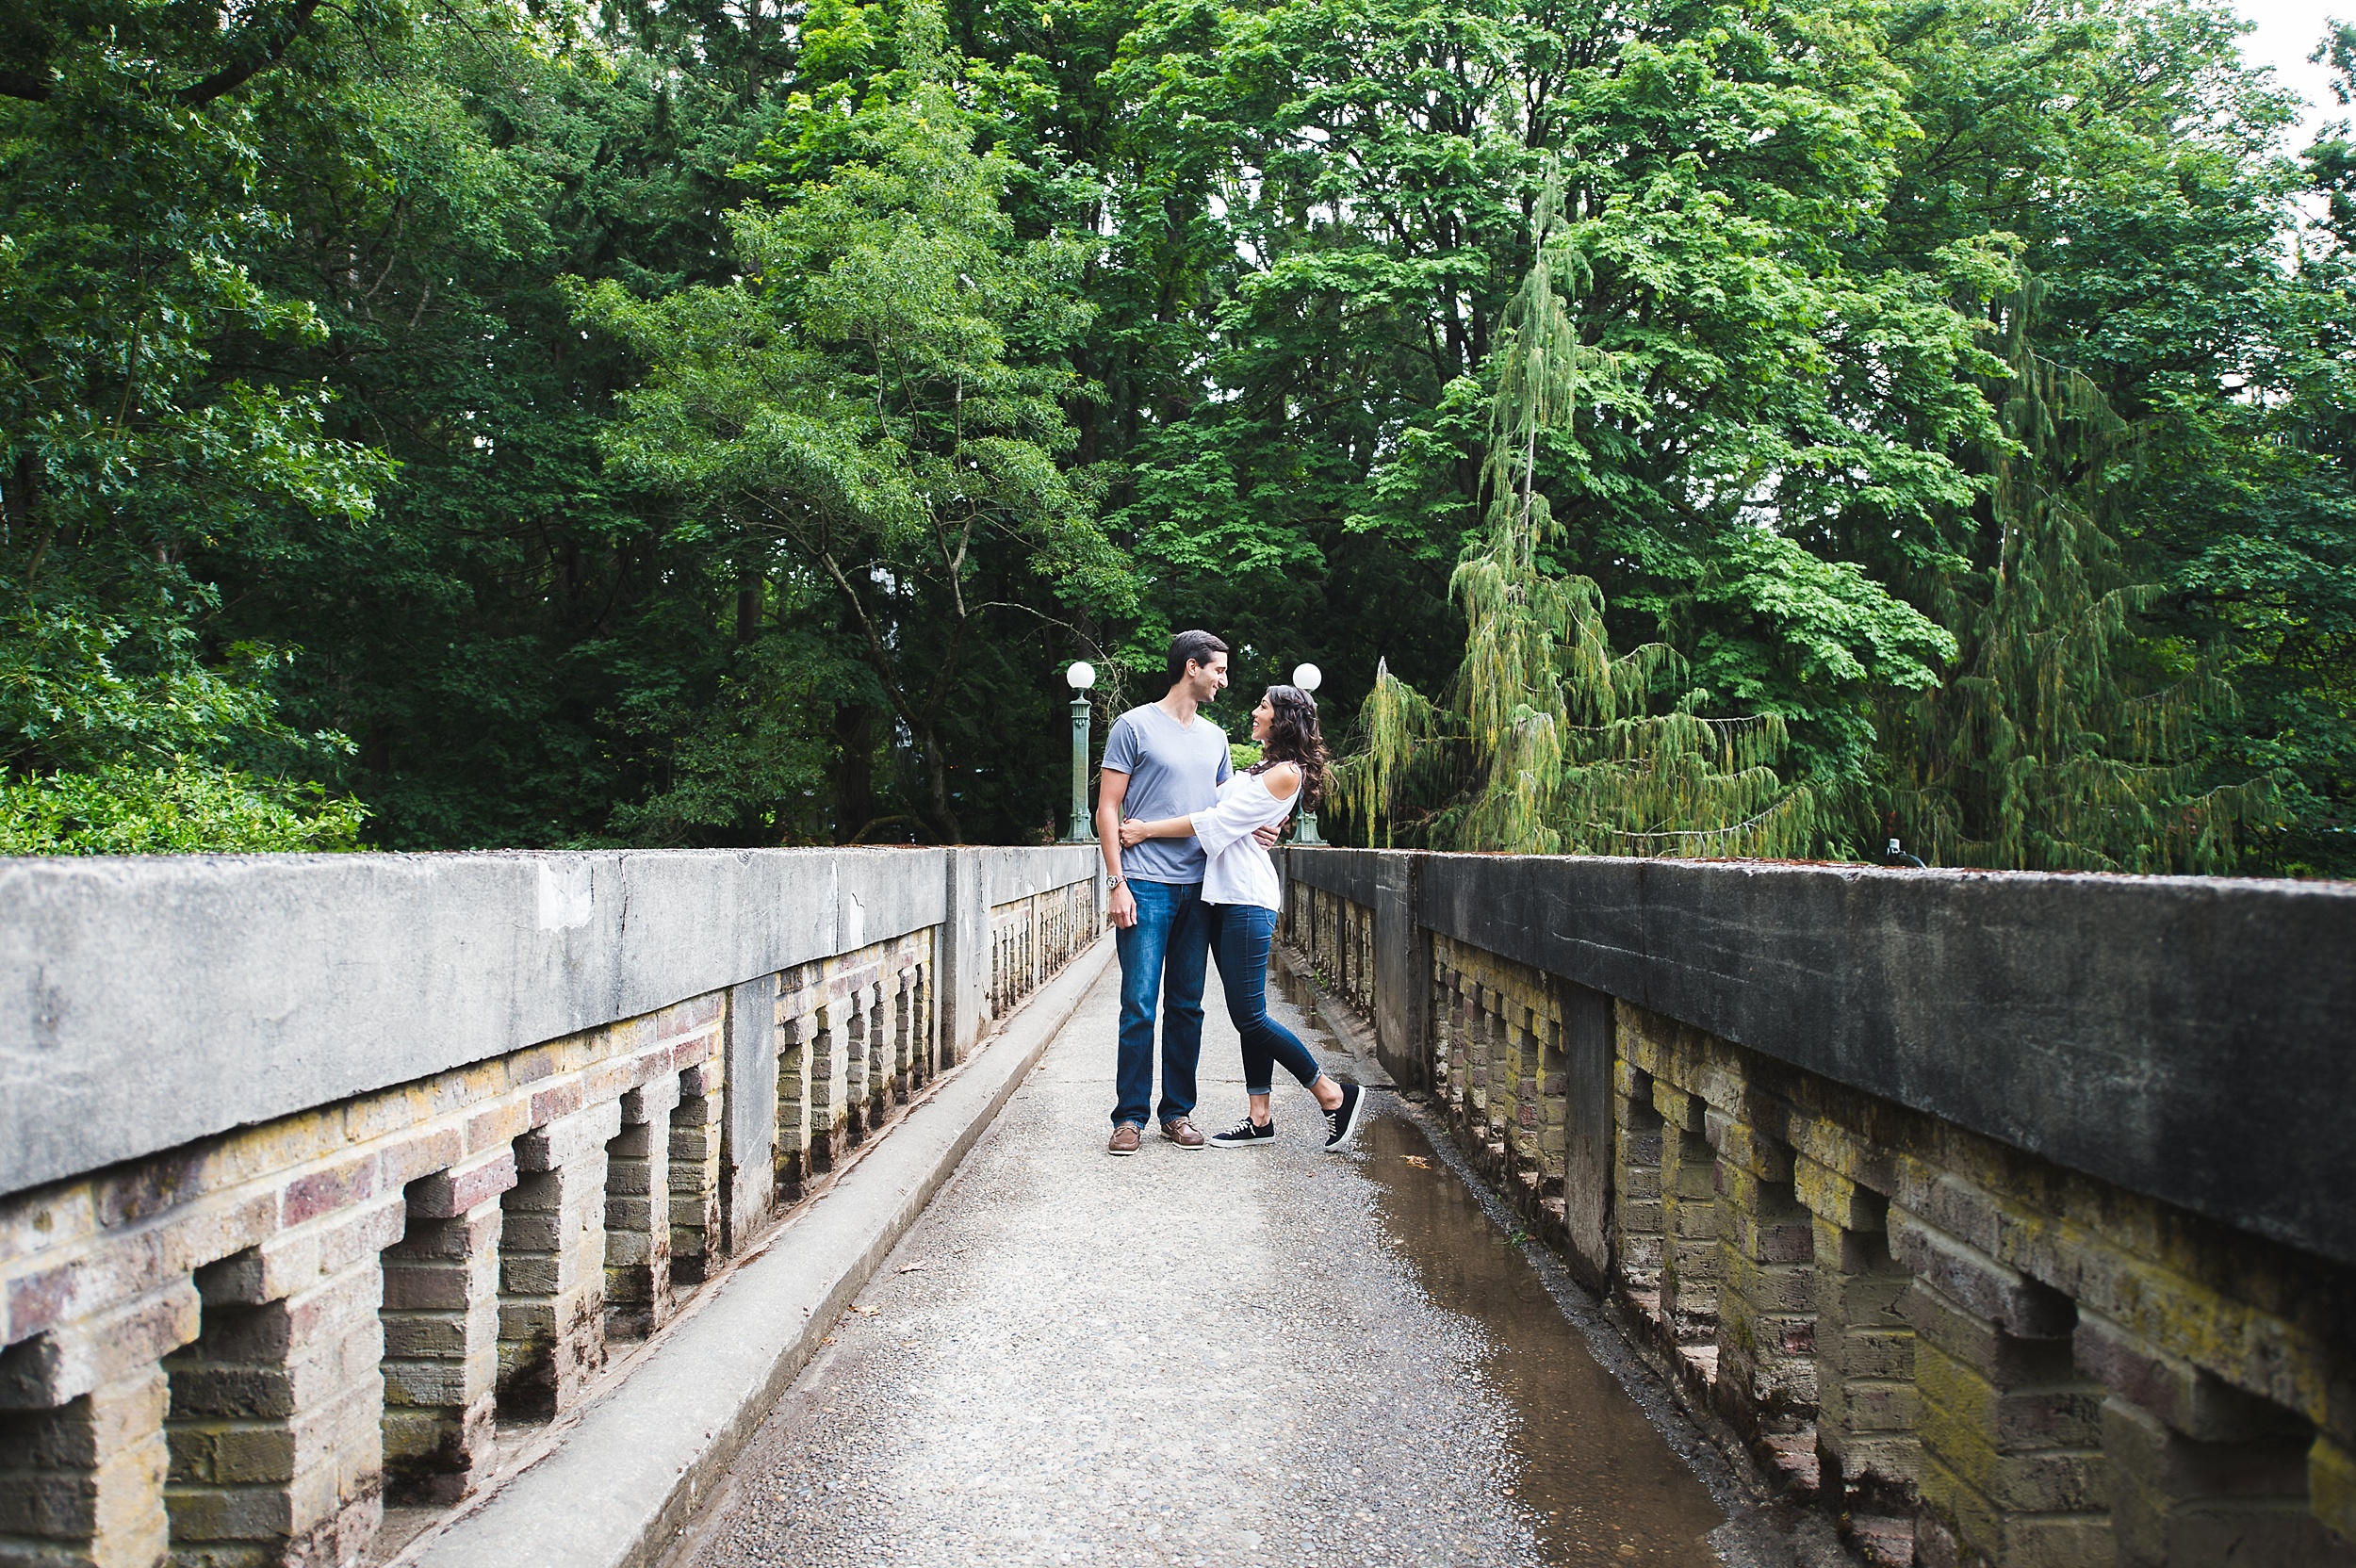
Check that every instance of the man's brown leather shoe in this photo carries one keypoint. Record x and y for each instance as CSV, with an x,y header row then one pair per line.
x,y
1182,1133
1125,1138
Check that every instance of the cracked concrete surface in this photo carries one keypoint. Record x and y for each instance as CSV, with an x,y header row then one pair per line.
x,y
1271,1356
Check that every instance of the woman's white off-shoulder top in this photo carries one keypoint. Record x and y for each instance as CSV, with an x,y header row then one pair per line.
x,y
1238,870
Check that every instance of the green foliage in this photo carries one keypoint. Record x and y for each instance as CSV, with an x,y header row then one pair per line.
x,y
2041,755
705,424
1548,745
872,397
134,435
180,808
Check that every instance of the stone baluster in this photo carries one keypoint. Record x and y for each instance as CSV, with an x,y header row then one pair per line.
x,y
1689,1266
907,1072
84,1483
857,1058
1637,1209
638,1211
1463,1043
1034,913
552,1263
1435,1004
1766,1299
2201,1473
698,1238
1867,1452
882,1073
2011,1464
797,1030
1525,1117
276,1426
83,1454
441,1321
825,1067
1547,1093
1505,1035
926,1038
1480,1052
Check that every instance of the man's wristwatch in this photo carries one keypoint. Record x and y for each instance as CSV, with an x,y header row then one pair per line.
x,y
1115,883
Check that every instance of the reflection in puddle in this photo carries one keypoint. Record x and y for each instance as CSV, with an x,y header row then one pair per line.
x,y
1599,1484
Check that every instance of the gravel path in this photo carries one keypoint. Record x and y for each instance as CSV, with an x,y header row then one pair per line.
x,y
1205,1357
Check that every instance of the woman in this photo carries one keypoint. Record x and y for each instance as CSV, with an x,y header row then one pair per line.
x,y
1241,886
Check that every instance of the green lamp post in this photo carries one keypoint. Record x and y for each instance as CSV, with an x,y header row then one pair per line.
x,y
1306,676
1080,676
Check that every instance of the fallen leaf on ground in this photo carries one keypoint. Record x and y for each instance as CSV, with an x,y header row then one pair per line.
x,y
867,1312
1417,1161
910,1267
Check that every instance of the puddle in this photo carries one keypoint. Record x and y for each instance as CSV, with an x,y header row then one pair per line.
x,y
1598,1484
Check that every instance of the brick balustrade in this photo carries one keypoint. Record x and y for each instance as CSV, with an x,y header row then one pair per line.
x,y
2007,1217
314,1170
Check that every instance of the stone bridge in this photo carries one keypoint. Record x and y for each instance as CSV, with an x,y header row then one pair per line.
x,y
478,1209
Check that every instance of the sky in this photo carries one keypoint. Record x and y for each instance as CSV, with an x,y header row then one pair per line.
x,y
2287,30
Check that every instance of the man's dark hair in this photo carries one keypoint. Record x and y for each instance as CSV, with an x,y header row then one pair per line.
x,y
1191,648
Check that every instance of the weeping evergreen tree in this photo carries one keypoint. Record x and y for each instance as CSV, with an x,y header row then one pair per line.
x,y
1545,742
2043,754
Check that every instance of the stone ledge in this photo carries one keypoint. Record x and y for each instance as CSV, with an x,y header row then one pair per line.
x,y
620,1480
153,1001
2183,1038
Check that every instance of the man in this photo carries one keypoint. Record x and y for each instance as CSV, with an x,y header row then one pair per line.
x,y
1163,760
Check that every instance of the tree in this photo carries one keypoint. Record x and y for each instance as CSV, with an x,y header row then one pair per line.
x,y
129,442
899,373
877,397
1549,743
2041,755
2132,162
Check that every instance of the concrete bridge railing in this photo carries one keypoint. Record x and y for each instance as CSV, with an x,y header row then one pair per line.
x,y
311,1167
2009,1217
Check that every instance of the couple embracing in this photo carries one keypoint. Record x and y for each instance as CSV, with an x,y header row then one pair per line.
x,y
1186,841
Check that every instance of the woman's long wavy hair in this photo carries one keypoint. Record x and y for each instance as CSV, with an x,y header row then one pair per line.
x,y
1293,737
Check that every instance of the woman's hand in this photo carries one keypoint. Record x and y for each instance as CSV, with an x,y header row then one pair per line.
x,y
1132,832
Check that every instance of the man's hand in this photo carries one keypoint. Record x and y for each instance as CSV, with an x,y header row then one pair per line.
x,y
1121,908
1267,837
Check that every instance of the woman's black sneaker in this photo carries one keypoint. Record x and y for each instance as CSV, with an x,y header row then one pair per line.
x,y
1245,1134
1341,1123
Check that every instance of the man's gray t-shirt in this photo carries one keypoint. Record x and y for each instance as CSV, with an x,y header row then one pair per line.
x,y
1175,771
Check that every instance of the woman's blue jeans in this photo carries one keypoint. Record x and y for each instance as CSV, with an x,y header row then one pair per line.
x,y
1240,938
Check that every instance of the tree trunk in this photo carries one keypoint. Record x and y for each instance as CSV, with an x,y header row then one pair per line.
x,y
854,770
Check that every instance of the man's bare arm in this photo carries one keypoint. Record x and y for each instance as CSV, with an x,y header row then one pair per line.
x,y
1112,789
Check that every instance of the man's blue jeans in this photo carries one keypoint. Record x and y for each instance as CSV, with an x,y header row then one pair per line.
x,y
1167,952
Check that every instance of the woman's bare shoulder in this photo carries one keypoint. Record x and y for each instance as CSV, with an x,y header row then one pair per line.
x,y
1283,780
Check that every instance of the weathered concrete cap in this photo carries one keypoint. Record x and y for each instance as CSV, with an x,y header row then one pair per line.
x,y
2185,1037
146,1002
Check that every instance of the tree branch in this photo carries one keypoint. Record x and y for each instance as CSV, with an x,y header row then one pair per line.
x,y
15,84
229,78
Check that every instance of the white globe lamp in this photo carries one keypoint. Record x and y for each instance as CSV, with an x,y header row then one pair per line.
x,y
1308,677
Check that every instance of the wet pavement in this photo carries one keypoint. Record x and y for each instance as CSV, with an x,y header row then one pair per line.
x,y
1268,1356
